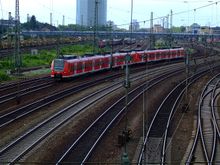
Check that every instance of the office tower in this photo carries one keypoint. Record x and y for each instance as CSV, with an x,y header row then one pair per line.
x,y
91,12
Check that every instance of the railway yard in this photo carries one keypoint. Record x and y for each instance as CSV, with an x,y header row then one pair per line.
x,y
169,115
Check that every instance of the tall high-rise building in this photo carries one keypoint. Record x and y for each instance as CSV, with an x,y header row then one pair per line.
x,y
91,12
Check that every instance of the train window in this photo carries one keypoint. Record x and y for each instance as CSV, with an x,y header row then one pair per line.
x,y
58,64
158,54
143,57
120,59
79,66
70,67
151,55
97,63
88,64
105,62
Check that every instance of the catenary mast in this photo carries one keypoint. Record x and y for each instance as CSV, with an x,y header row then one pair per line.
x,y
17,56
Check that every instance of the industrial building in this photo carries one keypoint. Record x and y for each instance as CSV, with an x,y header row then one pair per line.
x,y
91,12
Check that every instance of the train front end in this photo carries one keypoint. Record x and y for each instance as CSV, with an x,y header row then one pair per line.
x,y
58,68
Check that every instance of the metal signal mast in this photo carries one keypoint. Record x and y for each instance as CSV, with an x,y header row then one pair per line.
x,y
17,56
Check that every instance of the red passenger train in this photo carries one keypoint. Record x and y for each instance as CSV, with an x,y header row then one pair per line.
x,y
68,66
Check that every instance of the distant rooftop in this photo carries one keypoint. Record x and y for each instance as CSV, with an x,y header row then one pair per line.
x,y
7,22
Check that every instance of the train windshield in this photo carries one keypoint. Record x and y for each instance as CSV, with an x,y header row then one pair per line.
x,y
58,64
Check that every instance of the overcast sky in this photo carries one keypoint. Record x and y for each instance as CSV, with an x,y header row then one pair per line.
x,y
119,11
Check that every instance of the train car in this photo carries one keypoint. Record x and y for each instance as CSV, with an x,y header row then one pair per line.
x,y
119,59
67,66
137,57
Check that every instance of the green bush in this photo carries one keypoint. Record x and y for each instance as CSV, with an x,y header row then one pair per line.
x,y
4,76
5,64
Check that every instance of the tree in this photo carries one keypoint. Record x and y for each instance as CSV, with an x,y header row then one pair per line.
x,y
33,23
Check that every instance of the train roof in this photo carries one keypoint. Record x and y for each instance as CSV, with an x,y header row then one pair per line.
x,y
67,57
75,58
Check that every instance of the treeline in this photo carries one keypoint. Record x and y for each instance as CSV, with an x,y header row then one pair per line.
x,y
33,24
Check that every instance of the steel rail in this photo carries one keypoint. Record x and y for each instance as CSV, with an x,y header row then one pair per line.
x,y
109,124
174,107
27,109
23,92
208,157
214,121
153,121
49,121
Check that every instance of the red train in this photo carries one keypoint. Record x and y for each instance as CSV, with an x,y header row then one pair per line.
x,y
69,66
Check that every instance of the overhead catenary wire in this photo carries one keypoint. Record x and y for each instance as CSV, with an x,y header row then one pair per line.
x,y
59,14
174,14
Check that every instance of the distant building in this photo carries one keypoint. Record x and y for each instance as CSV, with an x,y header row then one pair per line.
x,y
195,28
206,30
158,28
28,18
216,30
135,25
112,25
7,23
87,10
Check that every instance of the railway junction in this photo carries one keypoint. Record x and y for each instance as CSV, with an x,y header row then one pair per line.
x,y
168,115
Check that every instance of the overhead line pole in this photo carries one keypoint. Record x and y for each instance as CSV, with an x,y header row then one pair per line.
x,y
125,159
95,25
17,56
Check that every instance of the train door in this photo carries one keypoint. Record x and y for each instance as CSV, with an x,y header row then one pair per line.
x,y
114,60
174,54
163,55
168,54
146,56
121,60
97,64
79,67
71,69
151,56
105,62
88,65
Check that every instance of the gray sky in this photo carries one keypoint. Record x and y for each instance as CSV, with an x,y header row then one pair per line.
x,y
119,11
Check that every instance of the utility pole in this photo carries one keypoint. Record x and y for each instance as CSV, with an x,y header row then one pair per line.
x,y
51,19
95,25
17,56
111,26
63,20
171,30
125,159
168,22
151,31
171,20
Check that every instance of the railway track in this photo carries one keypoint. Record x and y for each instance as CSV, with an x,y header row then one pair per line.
x,y
8,118
79,152
22,84
12,152
155,149
205,148
11,116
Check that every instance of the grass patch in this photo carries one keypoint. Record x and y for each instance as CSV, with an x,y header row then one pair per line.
x,y
4,76
37,72
42,59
